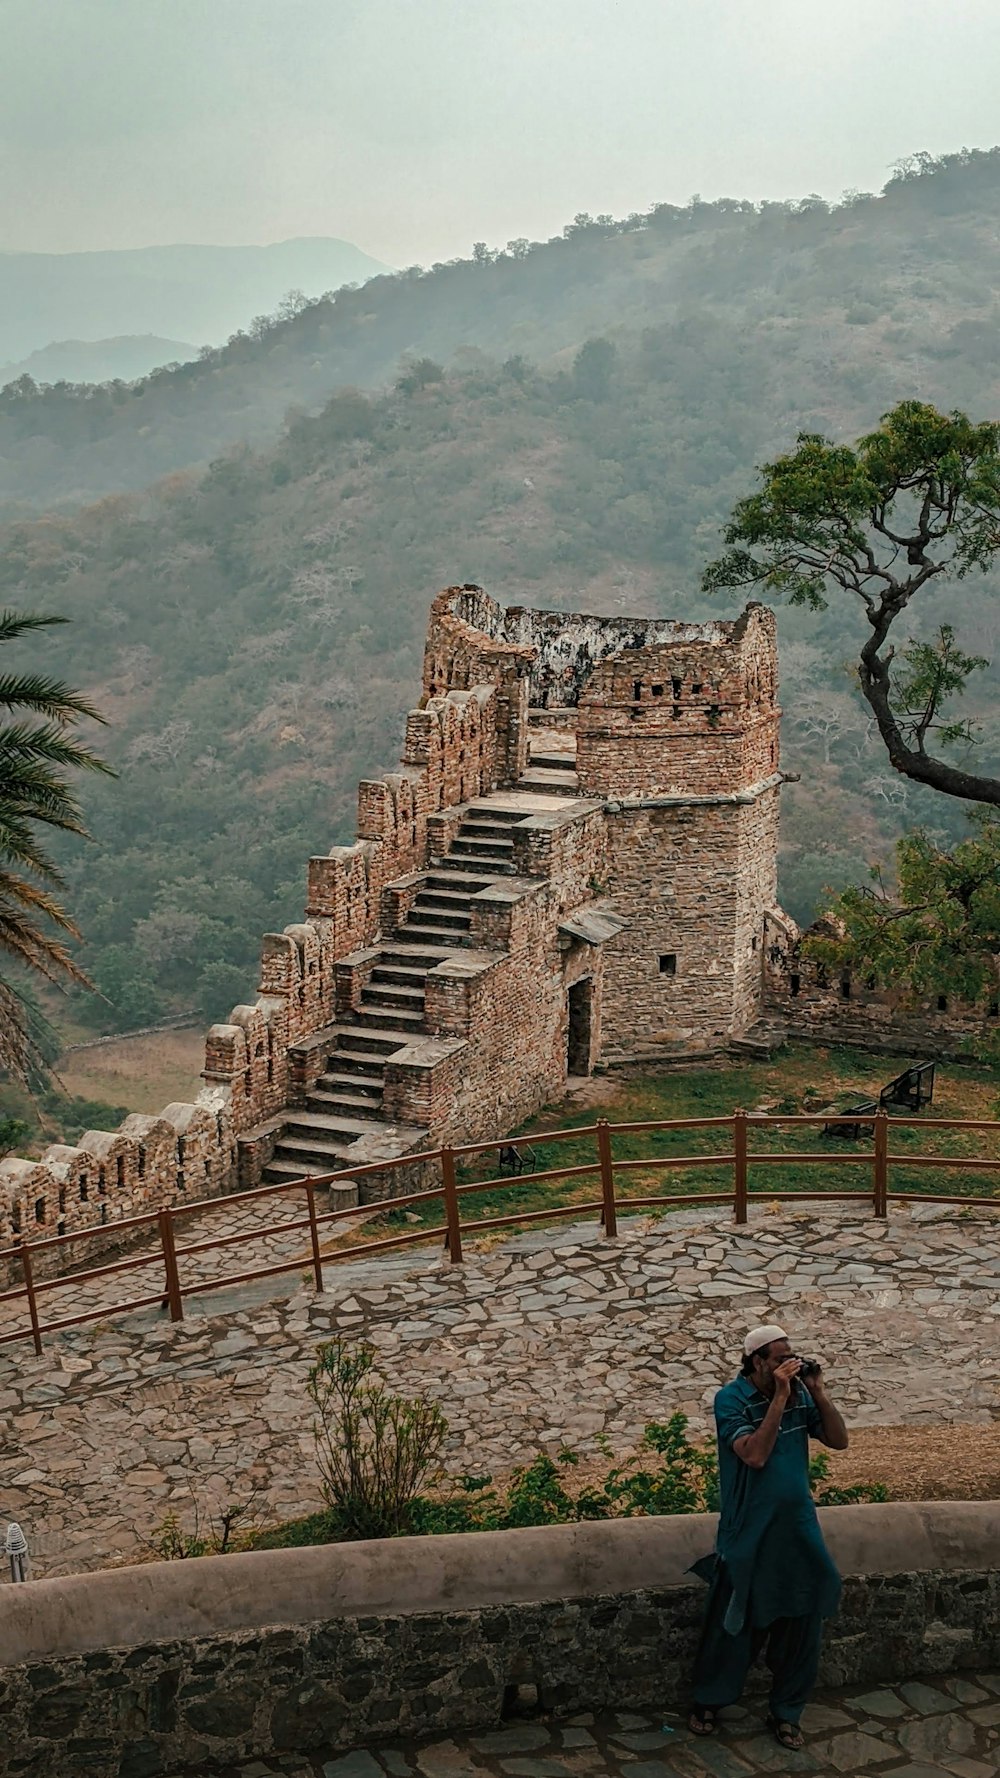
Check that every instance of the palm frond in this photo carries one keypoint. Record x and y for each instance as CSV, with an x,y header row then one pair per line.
x,y
50,697
48,741
18,623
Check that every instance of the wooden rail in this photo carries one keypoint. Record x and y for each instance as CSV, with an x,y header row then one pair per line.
x,y
738,1159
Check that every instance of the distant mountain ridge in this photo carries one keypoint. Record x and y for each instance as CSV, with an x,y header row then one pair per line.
x,y
872,287
123,358
179,292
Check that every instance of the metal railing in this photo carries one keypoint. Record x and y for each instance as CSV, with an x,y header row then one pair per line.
x,y
604,1168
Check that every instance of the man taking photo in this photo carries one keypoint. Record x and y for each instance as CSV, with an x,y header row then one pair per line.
x,y
772,1579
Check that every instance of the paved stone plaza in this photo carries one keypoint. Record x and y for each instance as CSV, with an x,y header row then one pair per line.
x,y
554,1337
917,1730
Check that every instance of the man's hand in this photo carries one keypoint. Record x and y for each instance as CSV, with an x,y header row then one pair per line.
x,y
815,1384
784,1375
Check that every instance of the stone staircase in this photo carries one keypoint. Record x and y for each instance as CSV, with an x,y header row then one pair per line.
x,y
551,765
346,1103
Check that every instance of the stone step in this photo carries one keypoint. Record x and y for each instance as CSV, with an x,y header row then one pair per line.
x,y
444,898
467,846
385,996
449,920
489,812
312,1157
323,1126
285,1172
487,830
344,1104
561,783
398,953
401,975
552,762
486,870
461,880
360,1066
380,1021
360,1084
415,930
371,1040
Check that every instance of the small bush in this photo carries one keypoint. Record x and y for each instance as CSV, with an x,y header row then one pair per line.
x,y
374,1448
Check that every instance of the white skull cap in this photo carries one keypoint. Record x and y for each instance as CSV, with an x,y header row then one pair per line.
x,y
761,1336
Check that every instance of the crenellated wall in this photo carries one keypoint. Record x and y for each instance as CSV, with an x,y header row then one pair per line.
x,y
189,1151
838,1006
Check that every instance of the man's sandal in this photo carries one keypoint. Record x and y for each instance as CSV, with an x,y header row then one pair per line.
x,y
702,1720
787,1734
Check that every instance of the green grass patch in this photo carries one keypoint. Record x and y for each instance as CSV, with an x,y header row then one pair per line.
x,y
800,1079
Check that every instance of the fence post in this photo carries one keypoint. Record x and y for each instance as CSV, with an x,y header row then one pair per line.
x,y
881,1166
740,1164
609,1213
453,1239
317,1257
29,1288
174,1298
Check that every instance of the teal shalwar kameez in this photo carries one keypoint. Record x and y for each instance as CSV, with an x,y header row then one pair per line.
x,y
772,1580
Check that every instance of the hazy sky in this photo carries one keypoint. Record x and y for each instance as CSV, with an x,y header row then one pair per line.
x,y
414,127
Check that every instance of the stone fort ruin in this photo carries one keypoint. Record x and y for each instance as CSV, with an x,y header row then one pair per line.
x,y
574,865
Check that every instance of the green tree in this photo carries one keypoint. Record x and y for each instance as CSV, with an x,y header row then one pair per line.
x,y
938,930
593,368
37,752
883,520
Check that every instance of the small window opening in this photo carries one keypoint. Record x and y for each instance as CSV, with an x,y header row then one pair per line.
x,y
753,944
675,712
39,1209
697,688
84,1188
121,1172
794,984
845,987
714,713
62,1200
657,691
994,1012
15,1218
141,1161
678,686
668,963
636,690
772,752
942,1003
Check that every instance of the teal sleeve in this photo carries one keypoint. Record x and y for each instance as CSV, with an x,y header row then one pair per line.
x,y
731,1422
814,1422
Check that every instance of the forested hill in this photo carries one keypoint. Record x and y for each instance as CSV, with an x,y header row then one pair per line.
x,y
894,281
254,632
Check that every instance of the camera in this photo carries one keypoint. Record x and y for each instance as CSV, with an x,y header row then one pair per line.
x,y
808,1367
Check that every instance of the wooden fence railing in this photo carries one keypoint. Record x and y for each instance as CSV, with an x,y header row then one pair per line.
x,y
606,1170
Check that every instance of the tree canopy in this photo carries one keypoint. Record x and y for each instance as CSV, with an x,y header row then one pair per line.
x,y
909,509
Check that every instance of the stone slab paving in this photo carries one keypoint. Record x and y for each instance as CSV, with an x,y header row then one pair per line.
x,y
918,1730
553,1338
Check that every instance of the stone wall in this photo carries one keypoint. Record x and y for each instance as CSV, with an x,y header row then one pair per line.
x,y
135,1673
838,1006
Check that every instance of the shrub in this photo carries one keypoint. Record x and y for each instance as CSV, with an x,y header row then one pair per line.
x,y
374,1448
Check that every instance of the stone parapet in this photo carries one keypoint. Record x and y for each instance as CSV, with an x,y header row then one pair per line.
x,y
240,1657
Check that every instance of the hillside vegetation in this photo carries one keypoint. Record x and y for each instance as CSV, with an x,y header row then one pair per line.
x,y
904,280
254,631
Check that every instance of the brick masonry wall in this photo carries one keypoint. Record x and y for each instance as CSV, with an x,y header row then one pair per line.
x,y
159,1707
835,1006
190,1151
